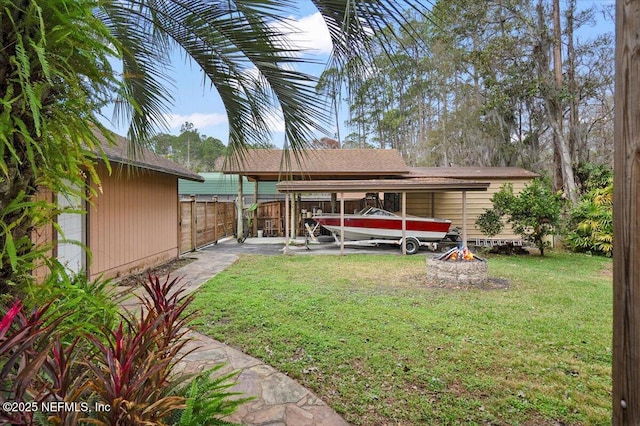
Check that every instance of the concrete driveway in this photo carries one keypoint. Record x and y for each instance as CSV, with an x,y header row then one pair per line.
x,y
274,246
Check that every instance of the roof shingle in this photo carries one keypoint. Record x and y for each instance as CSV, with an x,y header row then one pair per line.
x,y
319,163
145,159
471,172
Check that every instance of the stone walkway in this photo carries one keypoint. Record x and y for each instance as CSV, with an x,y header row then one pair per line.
x,y
278,399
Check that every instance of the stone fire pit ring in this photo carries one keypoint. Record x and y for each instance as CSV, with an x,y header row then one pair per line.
x,y
457,272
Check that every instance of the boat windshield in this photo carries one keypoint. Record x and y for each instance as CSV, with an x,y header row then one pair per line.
x,y
374,211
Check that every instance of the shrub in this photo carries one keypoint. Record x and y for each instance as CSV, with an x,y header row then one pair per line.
x,y
533,214
591,223
129,367
89,306
593,176
490,223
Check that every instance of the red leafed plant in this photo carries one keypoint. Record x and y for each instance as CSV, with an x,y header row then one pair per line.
x,y
24,347
68,380
167,302
129,368
133,372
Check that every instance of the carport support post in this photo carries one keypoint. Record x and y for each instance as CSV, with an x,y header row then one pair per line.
x,y
254,213
404,223
239,227
286,223
341,223
626,218
293,216
464,218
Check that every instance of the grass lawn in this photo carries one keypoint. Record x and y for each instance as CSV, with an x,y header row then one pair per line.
x,y
381,347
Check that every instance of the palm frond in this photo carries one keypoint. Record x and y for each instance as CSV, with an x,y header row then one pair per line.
x,y
241,47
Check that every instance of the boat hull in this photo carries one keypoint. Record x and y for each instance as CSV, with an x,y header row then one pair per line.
x,y
357,227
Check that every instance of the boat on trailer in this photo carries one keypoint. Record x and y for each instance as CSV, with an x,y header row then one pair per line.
x,y
373,225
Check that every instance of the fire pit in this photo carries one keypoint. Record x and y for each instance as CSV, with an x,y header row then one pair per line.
x,y
457,266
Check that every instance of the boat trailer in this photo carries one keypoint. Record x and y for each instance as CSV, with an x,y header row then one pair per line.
x,y
412,244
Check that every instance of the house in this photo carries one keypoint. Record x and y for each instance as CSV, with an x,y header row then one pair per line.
x,y
447,204
131,223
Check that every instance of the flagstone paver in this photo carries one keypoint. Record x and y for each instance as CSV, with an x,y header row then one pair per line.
x,y
278,399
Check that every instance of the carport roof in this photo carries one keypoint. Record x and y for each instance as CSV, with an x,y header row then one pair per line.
x,y
382,185
275,164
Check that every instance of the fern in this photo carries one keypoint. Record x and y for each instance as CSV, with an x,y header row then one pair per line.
x,y
208,399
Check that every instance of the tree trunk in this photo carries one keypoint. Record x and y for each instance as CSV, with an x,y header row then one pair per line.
x,y
19,186
553,106
575,139
556,116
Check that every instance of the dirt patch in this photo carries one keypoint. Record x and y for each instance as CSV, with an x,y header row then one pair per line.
x,y
420,281
160,271
488,284
607,271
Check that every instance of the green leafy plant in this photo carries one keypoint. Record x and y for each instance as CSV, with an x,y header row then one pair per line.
x,y
591,223
533,214
208,398
490,223
594,176
129,367
88,305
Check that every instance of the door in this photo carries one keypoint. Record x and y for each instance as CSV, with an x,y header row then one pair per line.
x,y
72,240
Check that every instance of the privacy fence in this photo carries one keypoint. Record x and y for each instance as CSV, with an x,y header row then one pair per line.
x,y
205,222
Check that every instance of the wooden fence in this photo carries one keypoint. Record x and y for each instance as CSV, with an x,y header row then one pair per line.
x,y
205,222
271,215
271,218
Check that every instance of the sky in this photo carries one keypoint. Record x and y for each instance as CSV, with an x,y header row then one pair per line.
x,y
197,103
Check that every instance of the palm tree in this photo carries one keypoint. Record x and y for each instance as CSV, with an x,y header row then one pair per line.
x,y
56,74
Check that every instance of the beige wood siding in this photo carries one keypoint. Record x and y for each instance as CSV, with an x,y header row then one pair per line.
x,y
448,205
132,221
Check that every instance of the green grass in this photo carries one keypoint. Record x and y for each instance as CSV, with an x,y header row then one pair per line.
x,y
381,347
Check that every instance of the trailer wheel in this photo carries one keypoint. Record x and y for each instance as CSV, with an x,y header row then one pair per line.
x,y
412,245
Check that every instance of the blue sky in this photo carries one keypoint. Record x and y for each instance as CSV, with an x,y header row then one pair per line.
x,y
197,103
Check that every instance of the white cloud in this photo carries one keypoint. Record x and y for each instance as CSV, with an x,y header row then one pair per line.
x,y
307,33
275,121
199,120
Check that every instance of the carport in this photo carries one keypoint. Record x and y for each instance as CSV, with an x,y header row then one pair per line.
x,y
275,165
401,186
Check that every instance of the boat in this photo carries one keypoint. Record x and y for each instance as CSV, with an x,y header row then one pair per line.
x,y
375,223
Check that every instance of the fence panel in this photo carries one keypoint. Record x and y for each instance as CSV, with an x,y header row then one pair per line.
x,y
204,222
271,218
